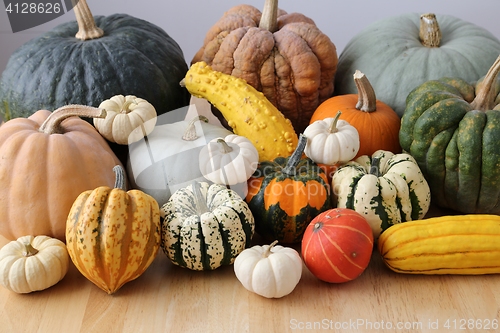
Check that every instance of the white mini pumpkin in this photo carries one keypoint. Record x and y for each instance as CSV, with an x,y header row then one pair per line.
x,y
331,141
271,271
128,119
33,263
229,161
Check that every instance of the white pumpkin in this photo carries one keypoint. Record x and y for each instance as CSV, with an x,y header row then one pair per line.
x,y
271,271
33,263
229,161
331,141
128,119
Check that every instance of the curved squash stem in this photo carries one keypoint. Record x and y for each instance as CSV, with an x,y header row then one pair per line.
x,y
190,133
269,18
87,29
367,100
119,177
52,125
375,167
30,250
333,125
294,159
486,93
200,203
430,33
126,106
267,252
225,147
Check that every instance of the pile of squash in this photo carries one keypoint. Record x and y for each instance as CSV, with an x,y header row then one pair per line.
x,y
323,176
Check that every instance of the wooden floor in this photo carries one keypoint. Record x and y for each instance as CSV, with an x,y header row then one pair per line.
x,y
167,298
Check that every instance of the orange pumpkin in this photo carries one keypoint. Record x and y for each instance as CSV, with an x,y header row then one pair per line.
x,y
46,161
377,123
337,245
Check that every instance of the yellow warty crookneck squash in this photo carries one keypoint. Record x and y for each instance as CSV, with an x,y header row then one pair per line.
x,y
466,244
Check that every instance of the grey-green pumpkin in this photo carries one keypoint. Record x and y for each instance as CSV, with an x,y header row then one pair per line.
x,y
397,57
112,55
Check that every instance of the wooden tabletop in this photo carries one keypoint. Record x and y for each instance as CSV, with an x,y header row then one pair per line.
x,y
167,298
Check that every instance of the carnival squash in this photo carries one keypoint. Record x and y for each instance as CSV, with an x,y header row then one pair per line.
x,y
205,226
452,129
285,56
46,161
285,194
90,60
113,235
385,188
337,245
400,52
376,122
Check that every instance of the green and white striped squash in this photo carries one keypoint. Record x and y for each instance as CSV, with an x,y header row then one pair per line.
x,y
205,226
385,188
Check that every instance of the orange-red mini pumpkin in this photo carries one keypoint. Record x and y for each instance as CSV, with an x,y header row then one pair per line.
x,y
337,245
46,161
285,56
377,123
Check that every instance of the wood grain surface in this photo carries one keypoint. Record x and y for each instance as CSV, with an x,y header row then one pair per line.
x,y
167,298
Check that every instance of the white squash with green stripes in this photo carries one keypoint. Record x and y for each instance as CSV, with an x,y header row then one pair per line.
x,y
205,226
385,188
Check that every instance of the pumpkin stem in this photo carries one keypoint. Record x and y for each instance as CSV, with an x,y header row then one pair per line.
x,y
30,250
200,202
333,126
294,159
367,100
119,177
52,125
375,167
269,18
126,106
430,33
486,89
225,147
190,133
87,29
267,252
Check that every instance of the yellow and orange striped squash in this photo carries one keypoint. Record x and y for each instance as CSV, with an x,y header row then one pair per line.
x,y
464,244
113,235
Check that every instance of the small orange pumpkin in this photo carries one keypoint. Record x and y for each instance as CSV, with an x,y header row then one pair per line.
x,y
377,123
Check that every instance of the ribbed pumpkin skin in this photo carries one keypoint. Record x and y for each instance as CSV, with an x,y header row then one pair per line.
x,y
134,57
337,245
391,54
466,244
455,146
283,205
42,174
113,236
205,240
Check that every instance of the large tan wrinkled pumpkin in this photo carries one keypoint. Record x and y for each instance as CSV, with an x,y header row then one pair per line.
x,y
46,161
285,56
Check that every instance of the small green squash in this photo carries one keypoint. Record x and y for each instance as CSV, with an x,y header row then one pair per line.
x,y
397,57
452,129
92,60
285,194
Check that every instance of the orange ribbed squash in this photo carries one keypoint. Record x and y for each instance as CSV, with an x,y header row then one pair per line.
x,y
113,235
46,161
377,123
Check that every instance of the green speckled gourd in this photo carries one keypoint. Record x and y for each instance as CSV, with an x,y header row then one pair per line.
x,y
400,52
89,62
452,129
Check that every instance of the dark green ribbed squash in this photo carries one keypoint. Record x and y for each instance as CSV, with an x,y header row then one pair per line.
x,y
452,129
285,194
133,57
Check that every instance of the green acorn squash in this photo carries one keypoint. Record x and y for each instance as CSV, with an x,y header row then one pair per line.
x,y
452,129
89,62
285,194
396,57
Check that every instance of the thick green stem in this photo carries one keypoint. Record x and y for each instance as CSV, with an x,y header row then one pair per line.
x,y
87,29
375,167
333,125
190,133
294,159
52,125
269,18
486,94
367,100
30,250
430,33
